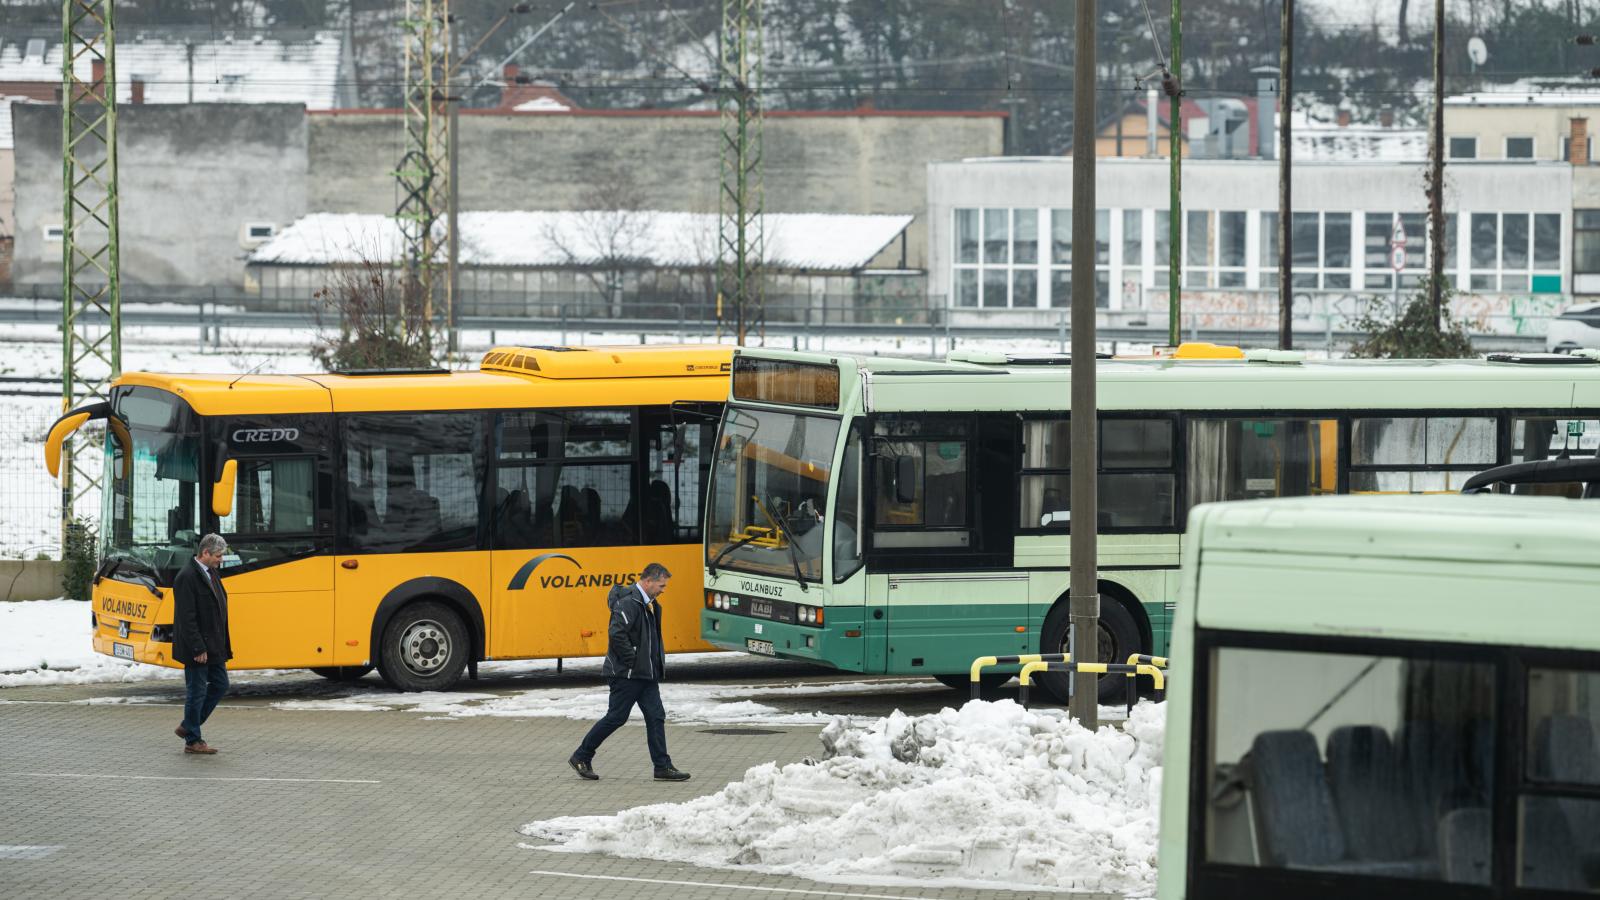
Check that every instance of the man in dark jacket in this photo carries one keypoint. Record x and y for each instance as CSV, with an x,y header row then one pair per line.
x,y
200,639
635,663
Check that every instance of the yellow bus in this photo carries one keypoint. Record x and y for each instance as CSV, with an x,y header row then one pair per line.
x,y
416,521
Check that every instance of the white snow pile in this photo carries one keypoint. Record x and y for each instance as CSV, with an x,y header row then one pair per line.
x,y
989,794
48,642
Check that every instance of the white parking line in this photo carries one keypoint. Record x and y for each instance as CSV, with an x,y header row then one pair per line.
x,y
185,778
24,851
728,887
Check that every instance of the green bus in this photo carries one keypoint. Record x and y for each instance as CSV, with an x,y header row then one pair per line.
x,y
898,516
1385,697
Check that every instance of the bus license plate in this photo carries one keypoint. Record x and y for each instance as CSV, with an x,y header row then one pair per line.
x,y
122,651
762,647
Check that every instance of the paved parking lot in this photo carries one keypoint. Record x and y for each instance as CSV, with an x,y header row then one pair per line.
x,y
96,799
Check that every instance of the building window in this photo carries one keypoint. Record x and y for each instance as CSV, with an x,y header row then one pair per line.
x,y
1061,258
1379,232
1322,250
1198,249
53,234
1161,264
1519,148
1515,252
1566,149
1269,250
996,258
1231,249
1463,148
1586,241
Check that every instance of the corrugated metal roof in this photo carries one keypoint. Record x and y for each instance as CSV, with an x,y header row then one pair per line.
x,y
550,239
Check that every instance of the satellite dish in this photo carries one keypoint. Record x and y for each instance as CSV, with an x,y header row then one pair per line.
x,y
1477,51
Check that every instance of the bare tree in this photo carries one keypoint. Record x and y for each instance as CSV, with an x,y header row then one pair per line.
x,y
382,322
608,236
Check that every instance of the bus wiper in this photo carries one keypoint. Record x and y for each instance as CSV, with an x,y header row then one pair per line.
x,y
712,566
113,566
782,521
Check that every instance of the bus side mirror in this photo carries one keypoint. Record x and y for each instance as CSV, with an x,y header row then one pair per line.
x,y
905,479
222,491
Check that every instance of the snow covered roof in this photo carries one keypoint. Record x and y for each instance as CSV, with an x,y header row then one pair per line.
x,y
542,104
1531,92
251,69
1360,142
546,239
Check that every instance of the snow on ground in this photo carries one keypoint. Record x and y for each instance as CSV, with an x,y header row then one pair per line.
x,y
988,794
47,642
686,703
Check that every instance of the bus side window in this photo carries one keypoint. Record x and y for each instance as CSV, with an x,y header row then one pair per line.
x,y
413,481
1247,459
674,477
565,478
1417,455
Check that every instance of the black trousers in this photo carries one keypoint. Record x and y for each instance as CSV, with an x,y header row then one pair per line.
x,y
625,694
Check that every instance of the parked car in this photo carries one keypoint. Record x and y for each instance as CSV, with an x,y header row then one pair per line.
x,y
1577,326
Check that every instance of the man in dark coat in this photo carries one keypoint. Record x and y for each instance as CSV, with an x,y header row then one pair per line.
x,y
200,639
635,663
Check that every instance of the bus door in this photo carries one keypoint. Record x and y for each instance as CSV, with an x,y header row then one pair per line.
x,y
414,494
944,511
277,517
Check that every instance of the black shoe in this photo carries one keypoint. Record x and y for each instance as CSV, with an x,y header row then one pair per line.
x,y
585,769
671,774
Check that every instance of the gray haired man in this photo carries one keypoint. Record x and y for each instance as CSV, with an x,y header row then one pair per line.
x,y
635,663
200,639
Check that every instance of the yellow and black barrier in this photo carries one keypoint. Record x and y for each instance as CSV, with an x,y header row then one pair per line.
x,y
1131,671
1135,659
984,662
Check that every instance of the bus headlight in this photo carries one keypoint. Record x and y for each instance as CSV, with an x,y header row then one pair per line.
x,y
808,615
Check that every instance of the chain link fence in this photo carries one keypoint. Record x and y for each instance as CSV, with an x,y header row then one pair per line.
x,y
30,500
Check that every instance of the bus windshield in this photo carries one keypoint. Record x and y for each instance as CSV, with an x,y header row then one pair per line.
x,y
769,485
151,513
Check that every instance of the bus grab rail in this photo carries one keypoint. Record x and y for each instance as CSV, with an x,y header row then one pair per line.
x,y
983,662
1130,671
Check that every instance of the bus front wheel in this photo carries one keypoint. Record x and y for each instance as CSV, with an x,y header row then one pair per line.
x,y
424,648
342,673
1119,638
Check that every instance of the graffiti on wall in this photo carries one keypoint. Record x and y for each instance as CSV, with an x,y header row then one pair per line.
x,y
1504,314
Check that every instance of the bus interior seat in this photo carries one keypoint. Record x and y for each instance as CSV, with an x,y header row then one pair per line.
x,y
659,522
515,521
591,515
1464,845
1550,858
1297,817
1448,768
569,516
1565,750
1369,792
1294,809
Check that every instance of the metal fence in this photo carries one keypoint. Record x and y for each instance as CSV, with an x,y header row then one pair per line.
x,y
30,500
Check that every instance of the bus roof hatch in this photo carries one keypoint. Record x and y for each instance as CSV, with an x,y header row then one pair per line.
x,y
660,361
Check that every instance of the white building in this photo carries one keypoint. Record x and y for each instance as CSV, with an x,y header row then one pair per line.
x,y
1000,230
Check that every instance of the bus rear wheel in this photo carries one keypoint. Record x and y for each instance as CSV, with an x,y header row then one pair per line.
x,y
963,682
424,648
1119,639
342,673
